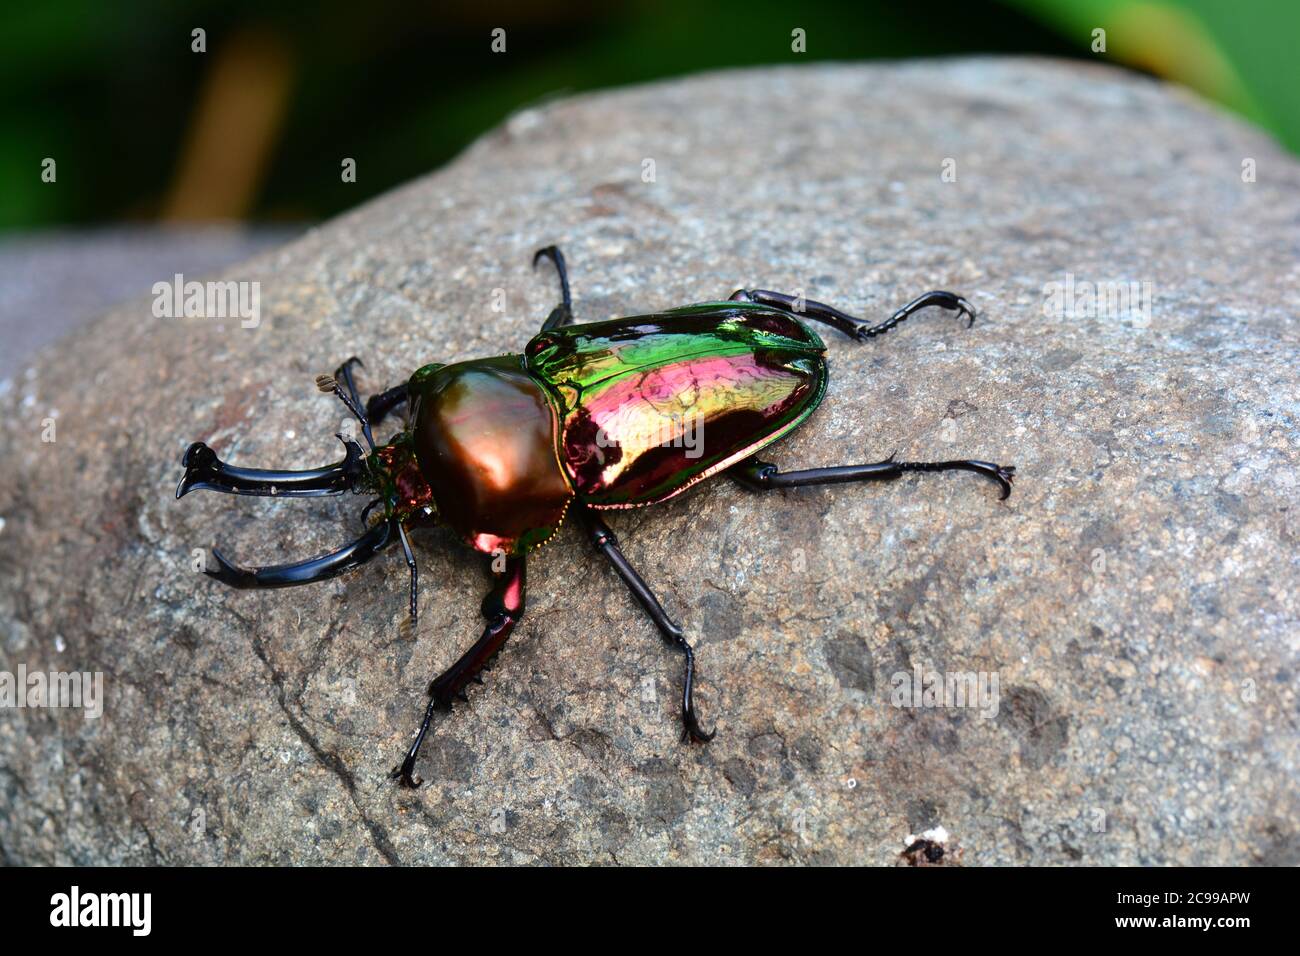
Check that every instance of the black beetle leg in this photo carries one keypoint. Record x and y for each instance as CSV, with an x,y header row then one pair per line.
x,y
848,324
378,406
344,374
607,544
763,475
370,506
562,314
414,618
502,607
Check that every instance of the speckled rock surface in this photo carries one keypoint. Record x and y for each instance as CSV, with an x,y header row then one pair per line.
x,y
1136,599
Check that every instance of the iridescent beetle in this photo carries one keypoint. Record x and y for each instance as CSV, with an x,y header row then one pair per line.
x,y
588,419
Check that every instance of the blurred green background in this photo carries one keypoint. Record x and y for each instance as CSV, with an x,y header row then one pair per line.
x,y
143,129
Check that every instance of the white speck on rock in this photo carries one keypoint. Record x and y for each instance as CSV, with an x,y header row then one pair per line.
x,y
935,835
524,121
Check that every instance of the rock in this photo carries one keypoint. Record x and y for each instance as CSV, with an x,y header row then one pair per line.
x,y
1136,599
69,277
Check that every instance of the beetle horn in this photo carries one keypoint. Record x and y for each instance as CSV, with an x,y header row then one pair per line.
x,y
305,572
203,469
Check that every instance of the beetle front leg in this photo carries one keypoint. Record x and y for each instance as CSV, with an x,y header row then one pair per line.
x,y
607,544
763,475
503,607
377,406
204,470
414,618
344,374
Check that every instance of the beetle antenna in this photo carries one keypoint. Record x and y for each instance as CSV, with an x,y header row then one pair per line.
x,y
328,383
365,512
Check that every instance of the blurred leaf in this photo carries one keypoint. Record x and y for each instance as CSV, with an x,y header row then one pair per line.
x,y
115,94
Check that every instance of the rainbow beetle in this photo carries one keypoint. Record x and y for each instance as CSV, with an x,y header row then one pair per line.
x,y
587,419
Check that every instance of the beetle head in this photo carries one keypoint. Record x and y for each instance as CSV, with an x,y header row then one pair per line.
x,y
393,475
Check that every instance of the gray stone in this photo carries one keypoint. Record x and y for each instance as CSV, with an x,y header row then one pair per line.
x,y
1136,598
52,283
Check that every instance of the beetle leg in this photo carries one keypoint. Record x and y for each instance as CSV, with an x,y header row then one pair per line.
x,y
502,607
848,324
562,314
380,405
415,576
377,406
762,475
607,544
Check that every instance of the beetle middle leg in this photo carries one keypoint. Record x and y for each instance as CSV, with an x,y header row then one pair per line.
x,y
850,325
607,544
562,314
502,607
763,475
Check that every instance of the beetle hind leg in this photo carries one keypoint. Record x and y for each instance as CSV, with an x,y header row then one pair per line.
x,y
763,475
859,329
607,544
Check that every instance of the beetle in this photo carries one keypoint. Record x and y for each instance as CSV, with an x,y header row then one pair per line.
x,y
591,417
